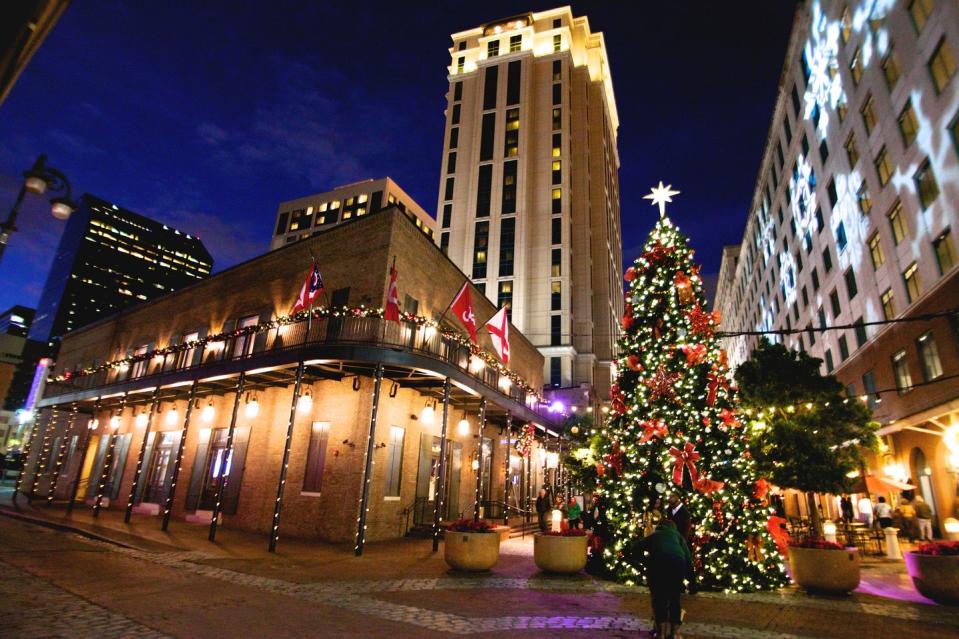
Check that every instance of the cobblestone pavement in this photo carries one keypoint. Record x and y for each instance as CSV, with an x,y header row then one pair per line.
x,y
177,591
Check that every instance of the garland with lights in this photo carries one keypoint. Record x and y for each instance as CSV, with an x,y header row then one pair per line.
x,y
524,443
673,427
319,312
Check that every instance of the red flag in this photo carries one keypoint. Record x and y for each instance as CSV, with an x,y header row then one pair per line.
x,y
392,312
498,327
463,307
312,287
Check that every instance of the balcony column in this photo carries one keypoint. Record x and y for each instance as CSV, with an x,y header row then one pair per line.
x,y
368,465
479,457
143,449
168,506
82,443
42,453
441,484
108,459
60,452
509,433
221,471
275,530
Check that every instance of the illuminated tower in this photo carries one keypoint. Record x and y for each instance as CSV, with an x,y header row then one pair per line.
x,y
529,190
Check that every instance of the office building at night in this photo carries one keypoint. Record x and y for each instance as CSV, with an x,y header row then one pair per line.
x,y
109,259
306,216
852,222
528,202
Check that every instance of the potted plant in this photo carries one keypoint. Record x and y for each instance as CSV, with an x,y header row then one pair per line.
x,y
934,569
561,552
471,545
824,566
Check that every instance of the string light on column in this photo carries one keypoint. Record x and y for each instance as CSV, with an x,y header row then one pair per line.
x,y
61,452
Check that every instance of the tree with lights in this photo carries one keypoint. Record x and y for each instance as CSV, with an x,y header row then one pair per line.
x,y
673,427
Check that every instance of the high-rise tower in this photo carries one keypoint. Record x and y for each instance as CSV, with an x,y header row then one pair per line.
x,y
529,190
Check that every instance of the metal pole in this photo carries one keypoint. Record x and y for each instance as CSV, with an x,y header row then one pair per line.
x,y
509,433
82,444
529,470
441,485
143,449
41,454
108,461
168,506
63,445
10,225
275,531
479,457
221,472
368,466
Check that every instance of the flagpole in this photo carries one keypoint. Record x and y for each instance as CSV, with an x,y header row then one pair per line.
x,y
458,291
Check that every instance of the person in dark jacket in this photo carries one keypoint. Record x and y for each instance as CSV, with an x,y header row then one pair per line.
x,y
676,512
668,564
542,507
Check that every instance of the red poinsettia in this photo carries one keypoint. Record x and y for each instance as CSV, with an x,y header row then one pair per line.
x,y
820,544
469,526
939,548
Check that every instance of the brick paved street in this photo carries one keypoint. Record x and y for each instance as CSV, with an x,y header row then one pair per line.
x,y
59,584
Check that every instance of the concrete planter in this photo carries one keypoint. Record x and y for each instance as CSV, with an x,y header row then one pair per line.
x,y
833,572
565,555
935,576
473,552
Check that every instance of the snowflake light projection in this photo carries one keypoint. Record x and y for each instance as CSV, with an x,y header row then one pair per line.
x,y
849,225
787,276
824,90
867,19
802,191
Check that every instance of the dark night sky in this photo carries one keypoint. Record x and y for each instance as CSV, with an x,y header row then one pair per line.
x,y
206,115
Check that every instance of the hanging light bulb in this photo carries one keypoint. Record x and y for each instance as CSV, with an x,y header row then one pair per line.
x,y
141,420
171,416
305,403
115,422
208,412
464,426
252,407
476,364
427,415
93,424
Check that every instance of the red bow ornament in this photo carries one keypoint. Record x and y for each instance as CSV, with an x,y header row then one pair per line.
x,y
707,486
630,274
628,317
729,418
684,287
695,353
632,363
615,460
684,458
712,387
762,487
652,429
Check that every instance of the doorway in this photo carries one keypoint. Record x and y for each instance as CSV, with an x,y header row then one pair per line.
x,y
428,475
159,468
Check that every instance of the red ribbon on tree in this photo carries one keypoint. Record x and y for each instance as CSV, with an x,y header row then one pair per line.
x,y
707,486
684,458
615,460
729,418
651,429
762,487
711,388
695,353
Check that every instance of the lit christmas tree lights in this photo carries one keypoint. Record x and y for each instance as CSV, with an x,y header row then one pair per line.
x,y
673,427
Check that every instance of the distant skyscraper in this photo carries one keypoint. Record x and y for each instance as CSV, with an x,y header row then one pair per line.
x,y
110,258
529,189
14,326
300,218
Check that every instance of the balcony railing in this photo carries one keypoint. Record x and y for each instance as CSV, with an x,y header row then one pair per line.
x,y
347,330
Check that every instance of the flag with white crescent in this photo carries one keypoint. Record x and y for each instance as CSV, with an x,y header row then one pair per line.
x,y
463,307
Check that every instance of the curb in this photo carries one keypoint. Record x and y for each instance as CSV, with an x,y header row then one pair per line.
x,y
38,521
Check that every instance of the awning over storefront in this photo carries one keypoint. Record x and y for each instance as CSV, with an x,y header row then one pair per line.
x,y
879,485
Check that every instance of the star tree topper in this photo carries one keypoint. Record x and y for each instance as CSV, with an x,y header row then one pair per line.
x,y
661,195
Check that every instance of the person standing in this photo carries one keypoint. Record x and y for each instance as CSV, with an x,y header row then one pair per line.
x,y
846,506
884,513
678,514
668,564
542,507
923,518
573,512
908,513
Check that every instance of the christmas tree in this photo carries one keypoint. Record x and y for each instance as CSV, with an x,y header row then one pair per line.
x,y
673,427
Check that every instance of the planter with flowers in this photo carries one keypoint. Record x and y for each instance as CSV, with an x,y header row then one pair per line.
x,y
824,567
934,569
561,552
471,545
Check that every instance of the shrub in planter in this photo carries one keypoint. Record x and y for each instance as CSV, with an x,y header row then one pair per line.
x,y
560,551
934,569
471,545
823,566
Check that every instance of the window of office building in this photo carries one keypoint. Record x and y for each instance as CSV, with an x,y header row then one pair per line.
x,y
860,332
447,215
805,297
834,302
491,78
831,193
841,240
555,372
556,262
942,246
515,43
868,112
507,240
513,73
851,287
557,197
843,348
910,278
829,363
888,305
448,189
869,386
445,243
484,188
929,357
511,141
504,297
875,251
557,43
883,167
492,48
480,246
815,280
455,117
316,457
281,222
557,144
900,370
863,200
556,231
555,330
942,65
557,118
451,162
926,186
855,67
509,187
908,125
557,93
897,223
919,11
823,152
460,64
827,259
457,91
487,136
891,69
787,130
557,172
454,137
851,151
556,296
394,461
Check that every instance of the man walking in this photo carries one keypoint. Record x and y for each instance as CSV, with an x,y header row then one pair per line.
x,y
678,514
923,518
542,507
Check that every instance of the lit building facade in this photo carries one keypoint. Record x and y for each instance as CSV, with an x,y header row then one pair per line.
x,y
230,399
109,259
528,200
306,216
853,221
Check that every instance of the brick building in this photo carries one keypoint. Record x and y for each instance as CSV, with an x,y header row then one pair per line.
x,y
219,343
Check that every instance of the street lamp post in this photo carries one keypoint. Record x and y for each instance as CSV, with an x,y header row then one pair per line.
x,y
37,180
